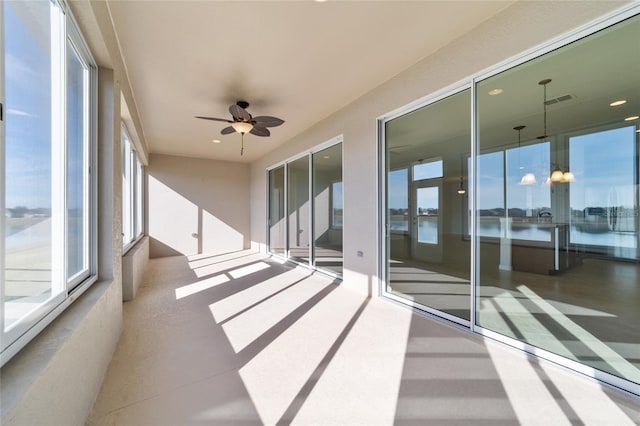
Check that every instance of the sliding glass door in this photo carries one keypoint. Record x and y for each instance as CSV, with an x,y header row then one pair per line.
x,y
546,197
327,203
277,219
299,210
429,249
310,232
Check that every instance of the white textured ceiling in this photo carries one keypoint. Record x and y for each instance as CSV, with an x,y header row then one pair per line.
x,y
297,60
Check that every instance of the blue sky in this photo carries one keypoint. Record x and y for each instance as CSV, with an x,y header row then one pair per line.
x,y
28,102
602,162
28,99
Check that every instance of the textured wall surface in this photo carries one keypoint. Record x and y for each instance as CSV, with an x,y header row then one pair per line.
x,y
520,27
197,206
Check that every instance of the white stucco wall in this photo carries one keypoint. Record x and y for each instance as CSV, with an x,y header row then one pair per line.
x,y
197,206
520,27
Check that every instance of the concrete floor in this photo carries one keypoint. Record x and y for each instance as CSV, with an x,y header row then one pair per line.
x,y
239,339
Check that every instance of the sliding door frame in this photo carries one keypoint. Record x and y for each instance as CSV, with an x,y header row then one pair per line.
x,y
285,163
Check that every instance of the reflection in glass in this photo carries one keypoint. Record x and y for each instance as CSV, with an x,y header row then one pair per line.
x,y
603,204
554,256
127,189
298,209
77,165
29,144
277,217
428,207
526,203
398,200
428,251
327,205
491,193
428,170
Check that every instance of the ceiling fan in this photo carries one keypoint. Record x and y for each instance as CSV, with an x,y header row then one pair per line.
x,y
243,122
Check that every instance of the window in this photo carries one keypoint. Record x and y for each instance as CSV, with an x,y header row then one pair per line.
x,y
427,256
47,189
505,194
132,192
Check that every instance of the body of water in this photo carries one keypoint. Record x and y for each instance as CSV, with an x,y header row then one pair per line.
x,y
428,232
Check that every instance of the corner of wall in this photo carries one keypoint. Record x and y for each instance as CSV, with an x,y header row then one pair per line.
x,y
134,263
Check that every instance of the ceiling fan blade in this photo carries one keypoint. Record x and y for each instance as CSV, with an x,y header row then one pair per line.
x,y
239,113
266,121
260,131
224,120
227,130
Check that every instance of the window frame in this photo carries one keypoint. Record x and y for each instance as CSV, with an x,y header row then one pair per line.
x,y
285,163
625,12
27,328
132,165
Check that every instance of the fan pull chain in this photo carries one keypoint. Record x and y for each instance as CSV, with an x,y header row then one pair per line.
x,y
241,143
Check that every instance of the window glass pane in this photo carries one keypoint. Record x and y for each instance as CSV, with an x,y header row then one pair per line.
x,y
327,202
299,210
139,196
77,167
127,190
561,268
528,198
277,217
336,205
30,65
428,203
428,251
491,193
603,203
398,190
430,170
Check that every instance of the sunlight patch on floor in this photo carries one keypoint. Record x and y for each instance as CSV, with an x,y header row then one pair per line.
x,y
611,357
207,267
207,283
276,375
248,326
532,402
532,330
236,303
247,270
362,382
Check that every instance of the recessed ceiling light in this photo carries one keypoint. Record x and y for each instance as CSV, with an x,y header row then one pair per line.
x,y
618,103
216,141
633,117
495,92
326,156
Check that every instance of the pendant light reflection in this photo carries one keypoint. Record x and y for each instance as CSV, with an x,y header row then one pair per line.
x,y
461,190
528,178
558,176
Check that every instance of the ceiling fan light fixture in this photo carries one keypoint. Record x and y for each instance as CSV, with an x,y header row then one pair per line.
x,y
242,127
